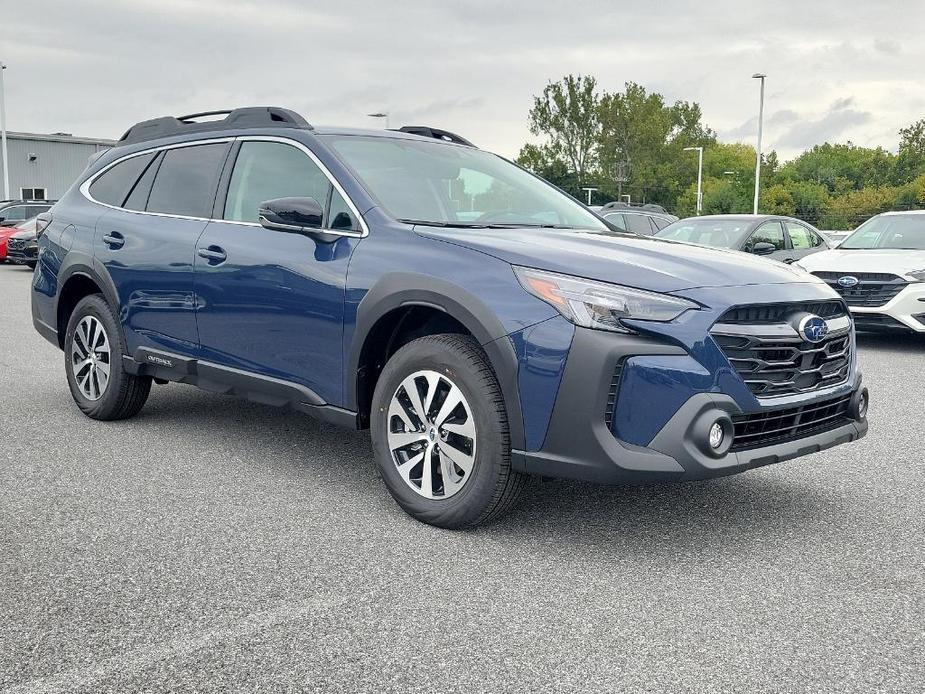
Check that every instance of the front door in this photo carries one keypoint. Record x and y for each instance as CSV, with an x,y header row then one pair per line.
x,y
772,233
272,302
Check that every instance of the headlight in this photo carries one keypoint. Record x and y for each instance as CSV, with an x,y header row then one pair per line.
x,y
918,274
600,305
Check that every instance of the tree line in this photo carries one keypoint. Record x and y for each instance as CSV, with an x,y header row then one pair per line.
x,y
632,143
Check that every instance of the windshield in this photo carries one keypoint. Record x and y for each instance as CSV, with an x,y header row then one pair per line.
x,y
899,232
720,233
447,185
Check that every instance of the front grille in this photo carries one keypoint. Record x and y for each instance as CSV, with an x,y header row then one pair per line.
x,y
763,345
16,244
612,394
778,313
776,426
873,288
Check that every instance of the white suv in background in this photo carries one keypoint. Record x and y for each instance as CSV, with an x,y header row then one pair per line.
x,y
880,271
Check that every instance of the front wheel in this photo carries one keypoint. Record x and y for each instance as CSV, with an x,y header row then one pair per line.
x,y
440,433
93,351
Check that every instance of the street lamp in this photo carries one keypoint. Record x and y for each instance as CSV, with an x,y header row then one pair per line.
x,y
383,114
589,190
699,151
6,161
759,76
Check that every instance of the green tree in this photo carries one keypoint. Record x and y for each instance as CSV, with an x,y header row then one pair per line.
x,y
567,114
642,140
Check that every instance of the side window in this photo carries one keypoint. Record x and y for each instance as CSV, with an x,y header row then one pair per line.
x,y
616,219
340,217
269,170
801,238
638,223
112,187
770,232
185,182
13,214
660,223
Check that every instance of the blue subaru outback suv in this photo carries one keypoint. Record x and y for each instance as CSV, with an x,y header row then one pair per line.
x,y
480,322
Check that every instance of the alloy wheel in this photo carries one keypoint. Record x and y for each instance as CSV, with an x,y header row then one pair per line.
x,y
431,434
91,358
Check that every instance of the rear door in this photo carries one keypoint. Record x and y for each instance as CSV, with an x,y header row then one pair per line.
x,y
161,202
272,302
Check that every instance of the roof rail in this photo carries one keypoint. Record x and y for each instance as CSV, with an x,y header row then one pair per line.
x,y
249,117
436,133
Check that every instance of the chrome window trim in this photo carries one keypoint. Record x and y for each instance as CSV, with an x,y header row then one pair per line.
x,y
364,228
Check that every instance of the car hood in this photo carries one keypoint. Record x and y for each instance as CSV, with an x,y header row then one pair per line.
x,y
877,260
26,234
636,261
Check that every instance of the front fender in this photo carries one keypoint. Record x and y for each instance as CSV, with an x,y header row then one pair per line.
x,y
408,289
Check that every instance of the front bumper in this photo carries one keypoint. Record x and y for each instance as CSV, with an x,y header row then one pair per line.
x,y
580,442
905,311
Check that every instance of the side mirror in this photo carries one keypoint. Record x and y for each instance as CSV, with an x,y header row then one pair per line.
x,y
299,215
763,248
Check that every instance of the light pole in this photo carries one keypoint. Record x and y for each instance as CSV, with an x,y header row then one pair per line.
x,y
6,161
699,151
382,114
589,190
758,76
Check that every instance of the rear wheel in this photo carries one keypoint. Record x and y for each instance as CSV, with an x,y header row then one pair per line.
x,y
93,351
440,433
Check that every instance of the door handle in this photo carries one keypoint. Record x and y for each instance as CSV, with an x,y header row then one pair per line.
x,y
215,255
114,240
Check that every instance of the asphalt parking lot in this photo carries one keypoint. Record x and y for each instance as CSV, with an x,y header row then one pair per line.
x,y
214,545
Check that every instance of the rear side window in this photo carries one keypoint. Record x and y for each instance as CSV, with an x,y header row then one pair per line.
x,y
186,179
112,187
616,219
638,224
269,170
802,238
660,223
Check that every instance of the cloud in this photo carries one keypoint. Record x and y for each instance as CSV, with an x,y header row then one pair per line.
x,y
94,68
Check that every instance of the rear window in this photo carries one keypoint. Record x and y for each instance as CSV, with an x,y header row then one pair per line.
x,y
186,180
113,186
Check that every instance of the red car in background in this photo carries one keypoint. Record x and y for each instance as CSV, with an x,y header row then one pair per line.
x,y
5,233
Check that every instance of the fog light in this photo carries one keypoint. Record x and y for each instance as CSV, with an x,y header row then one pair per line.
x,y
716,436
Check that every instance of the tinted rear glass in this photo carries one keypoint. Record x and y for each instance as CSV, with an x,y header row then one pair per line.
x,y
112,187
185,182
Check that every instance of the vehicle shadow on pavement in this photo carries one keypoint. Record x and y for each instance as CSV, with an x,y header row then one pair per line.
x,y
899,340
330,460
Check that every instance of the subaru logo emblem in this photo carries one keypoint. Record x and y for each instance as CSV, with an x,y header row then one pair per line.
x,y
813,328
847,281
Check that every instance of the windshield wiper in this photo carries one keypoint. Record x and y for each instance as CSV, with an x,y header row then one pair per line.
x,y
452,225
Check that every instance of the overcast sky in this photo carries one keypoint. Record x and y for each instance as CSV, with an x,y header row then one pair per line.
x,y
837,70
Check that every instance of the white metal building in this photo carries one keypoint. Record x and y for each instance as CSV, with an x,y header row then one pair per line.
x,y
43,167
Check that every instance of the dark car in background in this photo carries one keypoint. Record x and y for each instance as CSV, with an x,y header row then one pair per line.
x,y
780,238
644,220
22,247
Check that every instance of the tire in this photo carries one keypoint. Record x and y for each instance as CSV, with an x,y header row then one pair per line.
x,y
123,394
456,496
31,265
